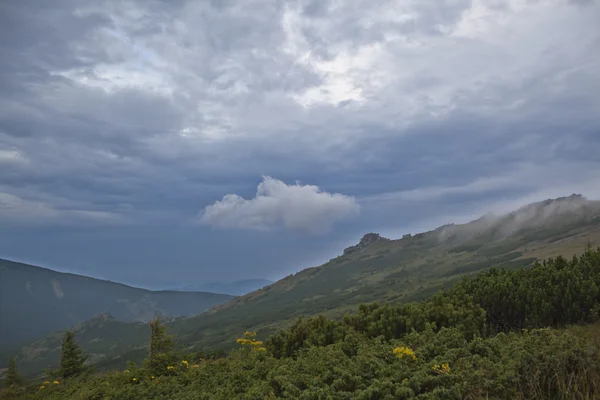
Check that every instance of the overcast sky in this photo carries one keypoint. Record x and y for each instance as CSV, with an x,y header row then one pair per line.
x,y
166,142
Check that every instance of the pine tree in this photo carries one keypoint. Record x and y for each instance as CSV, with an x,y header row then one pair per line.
x,y
12,374
72,360
160,348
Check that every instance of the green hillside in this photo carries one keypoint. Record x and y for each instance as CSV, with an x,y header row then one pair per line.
x,y
37,301
378,269
407,269
527,333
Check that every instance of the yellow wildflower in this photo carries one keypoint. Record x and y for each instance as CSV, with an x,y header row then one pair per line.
x,y
441,369
56,382
46,382
250,341
170,367
134,379
152,377
184,362
400,352
42,387
195,366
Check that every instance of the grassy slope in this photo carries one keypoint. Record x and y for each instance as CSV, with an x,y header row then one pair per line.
x,y
403,270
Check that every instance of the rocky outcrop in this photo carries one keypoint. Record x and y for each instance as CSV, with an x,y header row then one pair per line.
x,y
365,242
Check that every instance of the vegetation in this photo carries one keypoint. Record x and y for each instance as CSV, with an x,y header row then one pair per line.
x,y
160,351
518,334
555,292
12,374
379,270
72,360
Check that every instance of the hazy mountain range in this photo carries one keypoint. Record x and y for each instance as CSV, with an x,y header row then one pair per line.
x,y
36,301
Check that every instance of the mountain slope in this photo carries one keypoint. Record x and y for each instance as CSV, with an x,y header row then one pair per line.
x,y
36,301
237,288
407,269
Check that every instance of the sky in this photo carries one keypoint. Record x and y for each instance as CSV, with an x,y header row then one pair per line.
x,y
160,143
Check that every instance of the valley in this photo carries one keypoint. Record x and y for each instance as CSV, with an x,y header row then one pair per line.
x,y
36,301
375,270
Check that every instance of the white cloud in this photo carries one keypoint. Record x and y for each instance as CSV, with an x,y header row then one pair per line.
x,y
303,208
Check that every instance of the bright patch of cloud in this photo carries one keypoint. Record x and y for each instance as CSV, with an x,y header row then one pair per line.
x,y
11,157
303,208
17,209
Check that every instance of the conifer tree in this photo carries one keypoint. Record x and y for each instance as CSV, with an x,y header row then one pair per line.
x,y
12,374
72,360
160,348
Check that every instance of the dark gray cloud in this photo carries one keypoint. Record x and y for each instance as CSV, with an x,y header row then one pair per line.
x,y
119,114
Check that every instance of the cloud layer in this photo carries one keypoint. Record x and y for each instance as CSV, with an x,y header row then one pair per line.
x,y
303,208
142,113
146,109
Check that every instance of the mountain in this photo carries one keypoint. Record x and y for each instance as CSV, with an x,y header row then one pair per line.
x,y
382,270
102,336
237,288
36,301
407,269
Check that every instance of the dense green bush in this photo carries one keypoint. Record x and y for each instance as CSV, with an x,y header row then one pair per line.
x,y
555,292
534,364
389,321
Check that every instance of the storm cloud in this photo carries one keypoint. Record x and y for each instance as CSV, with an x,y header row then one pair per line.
x,y
139,116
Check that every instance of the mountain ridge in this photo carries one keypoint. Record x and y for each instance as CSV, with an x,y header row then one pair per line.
x,y
385,270
54,300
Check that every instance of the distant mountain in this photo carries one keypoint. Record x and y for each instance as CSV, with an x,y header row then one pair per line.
x,y
36,301
382,270
237,288
102,336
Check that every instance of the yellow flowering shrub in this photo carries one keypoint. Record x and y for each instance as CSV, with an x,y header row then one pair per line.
x,y
403,351
249,341
441,369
